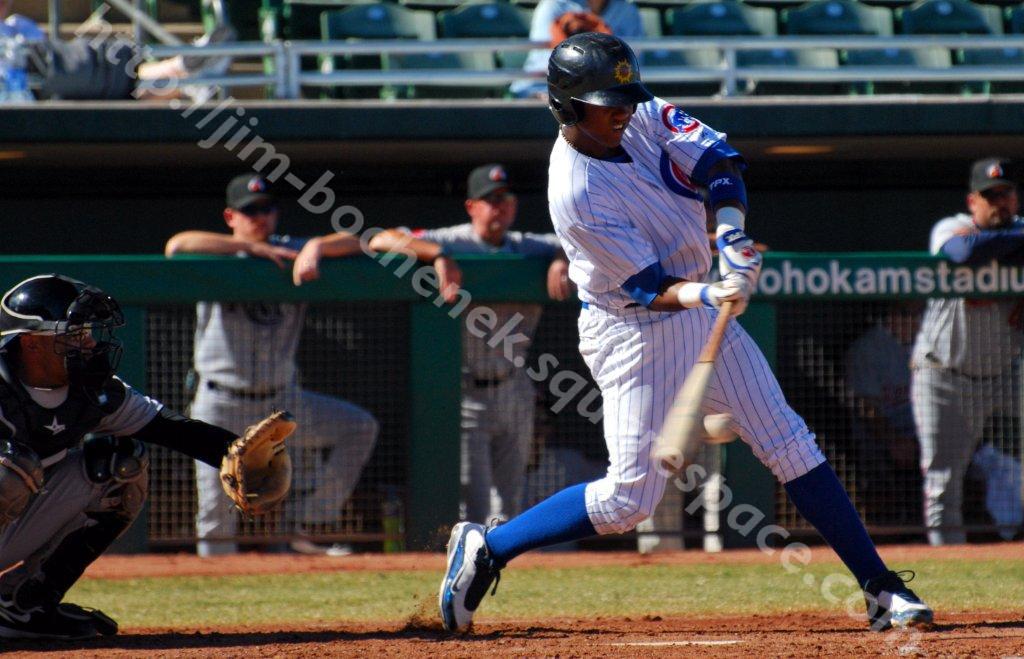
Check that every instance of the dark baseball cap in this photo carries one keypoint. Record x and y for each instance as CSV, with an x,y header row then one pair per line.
x,y
248,189
485,179
990,173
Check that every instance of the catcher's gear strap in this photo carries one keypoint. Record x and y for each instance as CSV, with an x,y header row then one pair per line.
x,y
21,477
257,471
119,459
196,439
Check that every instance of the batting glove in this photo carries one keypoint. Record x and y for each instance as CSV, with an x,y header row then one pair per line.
x,y
736,254
733,289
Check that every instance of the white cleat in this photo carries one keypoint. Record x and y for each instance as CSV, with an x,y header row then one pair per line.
x,y
891,604
471,571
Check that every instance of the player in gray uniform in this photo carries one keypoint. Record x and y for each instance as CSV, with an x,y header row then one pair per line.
x,y
497,395
245,365
965,357
63,500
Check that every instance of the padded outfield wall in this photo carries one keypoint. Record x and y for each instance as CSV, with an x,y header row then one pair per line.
x,y
842,174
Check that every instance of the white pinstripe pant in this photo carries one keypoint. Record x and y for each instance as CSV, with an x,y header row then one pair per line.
x,y
639,360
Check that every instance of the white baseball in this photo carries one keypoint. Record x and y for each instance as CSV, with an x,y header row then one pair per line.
x,y
717,428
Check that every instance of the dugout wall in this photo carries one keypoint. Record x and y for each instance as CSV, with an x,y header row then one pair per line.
x,y
377,335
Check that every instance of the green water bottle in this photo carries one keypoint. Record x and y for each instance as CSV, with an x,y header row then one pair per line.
x,y
393,521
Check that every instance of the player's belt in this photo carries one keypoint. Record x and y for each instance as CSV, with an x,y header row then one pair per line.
x,y
631,305
247,394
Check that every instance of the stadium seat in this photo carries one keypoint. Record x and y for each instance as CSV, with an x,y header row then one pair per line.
x,y
949,17
1016,21
817,58
488,19
839,17
994,57
720,18
925,58
484,20
698,58
650,17
443,61
371,21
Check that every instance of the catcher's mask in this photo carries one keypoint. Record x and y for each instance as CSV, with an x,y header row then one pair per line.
x,y
81,318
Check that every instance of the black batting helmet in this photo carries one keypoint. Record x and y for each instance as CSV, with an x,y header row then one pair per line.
x,y
595,68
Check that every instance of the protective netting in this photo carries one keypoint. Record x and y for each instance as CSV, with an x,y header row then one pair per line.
x,y
845,368
351,384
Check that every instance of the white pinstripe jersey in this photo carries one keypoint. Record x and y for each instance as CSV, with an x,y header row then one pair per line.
x,y
615,219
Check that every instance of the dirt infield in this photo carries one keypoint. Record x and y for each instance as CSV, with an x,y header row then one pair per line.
x,y
996,634
803,635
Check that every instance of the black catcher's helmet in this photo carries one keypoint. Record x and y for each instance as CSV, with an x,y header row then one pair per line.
x,y
70,310
594,68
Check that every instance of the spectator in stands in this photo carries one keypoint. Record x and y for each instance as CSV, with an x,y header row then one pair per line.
x,y
497,395
878,383
966,360
556,20
245,361
108,69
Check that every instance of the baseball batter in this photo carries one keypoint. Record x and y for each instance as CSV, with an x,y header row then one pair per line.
x,y
497,396
63,500
965,354
245,365
624,192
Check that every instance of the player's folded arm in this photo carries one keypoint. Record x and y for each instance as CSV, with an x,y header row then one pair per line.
x,y
1007,245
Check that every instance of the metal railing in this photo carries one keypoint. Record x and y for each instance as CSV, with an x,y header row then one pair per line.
x,y
286,76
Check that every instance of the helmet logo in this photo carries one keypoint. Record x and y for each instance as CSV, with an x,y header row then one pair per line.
x,y
497,174
256,184
623,72
994,171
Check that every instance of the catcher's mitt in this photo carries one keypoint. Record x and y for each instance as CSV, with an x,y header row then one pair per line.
x,y
257,472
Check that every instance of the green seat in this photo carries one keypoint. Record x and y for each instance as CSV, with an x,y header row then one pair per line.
x,y
698,58
925,58
489,19
441,61
484,20
846,17
1017,20
994,57
945,17
720,18
817,58
365,21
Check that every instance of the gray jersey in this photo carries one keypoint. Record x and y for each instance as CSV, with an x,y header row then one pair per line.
x,y
249,345
971,336
480,360
878,367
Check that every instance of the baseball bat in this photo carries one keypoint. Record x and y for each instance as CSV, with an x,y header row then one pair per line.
x,y
681,433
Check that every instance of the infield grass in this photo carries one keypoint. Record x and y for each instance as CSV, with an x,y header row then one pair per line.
x,y
948,585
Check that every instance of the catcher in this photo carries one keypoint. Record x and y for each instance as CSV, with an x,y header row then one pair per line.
x,y
63,500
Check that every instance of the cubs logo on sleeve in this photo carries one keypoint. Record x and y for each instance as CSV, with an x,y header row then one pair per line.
x,y
676,179
677,121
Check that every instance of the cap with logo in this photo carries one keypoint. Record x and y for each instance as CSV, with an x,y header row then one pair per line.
x,y
990,173
486,179
248,189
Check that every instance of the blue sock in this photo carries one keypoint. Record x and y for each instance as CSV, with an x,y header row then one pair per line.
x,y
821,499
559,518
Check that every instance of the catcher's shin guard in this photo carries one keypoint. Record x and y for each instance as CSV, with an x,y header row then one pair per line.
x,y
121,463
